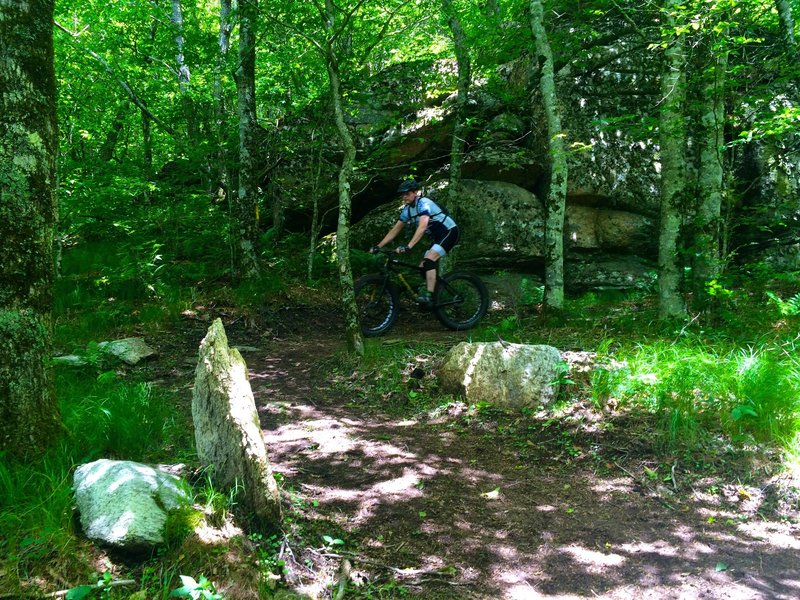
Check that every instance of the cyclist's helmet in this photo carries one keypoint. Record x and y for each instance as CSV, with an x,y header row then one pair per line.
x,y
409,185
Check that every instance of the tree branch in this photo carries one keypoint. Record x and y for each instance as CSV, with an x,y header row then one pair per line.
x,y
123,84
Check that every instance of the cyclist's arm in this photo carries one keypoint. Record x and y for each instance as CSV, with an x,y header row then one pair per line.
x,y
423,225
398,227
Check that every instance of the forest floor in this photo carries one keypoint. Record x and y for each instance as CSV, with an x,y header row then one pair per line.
x,y
456,504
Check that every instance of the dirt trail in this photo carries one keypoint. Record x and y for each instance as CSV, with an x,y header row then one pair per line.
x,y
468,514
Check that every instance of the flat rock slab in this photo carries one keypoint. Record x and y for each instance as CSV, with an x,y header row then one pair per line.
x,y
128,350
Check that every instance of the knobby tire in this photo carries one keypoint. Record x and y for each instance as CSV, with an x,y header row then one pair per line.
x,y
460,301
378,304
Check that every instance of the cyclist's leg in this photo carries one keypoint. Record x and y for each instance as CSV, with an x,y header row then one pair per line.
x,y
428,265
432,256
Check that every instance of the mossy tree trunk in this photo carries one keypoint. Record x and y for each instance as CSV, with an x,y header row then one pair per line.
x,y
244,219
464,80
28,212
555,201
672,140
787,24
353,330
708,258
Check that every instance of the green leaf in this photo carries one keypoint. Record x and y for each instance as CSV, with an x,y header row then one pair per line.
x,y
80,592
743,410
721,566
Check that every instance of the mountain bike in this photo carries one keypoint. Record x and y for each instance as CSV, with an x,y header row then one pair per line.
x,y
459,299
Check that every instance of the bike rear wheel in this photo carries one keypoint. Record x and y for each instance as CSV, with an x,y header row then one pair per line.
x,y
460,300
377,304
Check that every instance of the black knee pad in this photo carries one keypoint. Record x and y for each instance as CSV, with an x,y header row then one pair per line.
x,y
428,265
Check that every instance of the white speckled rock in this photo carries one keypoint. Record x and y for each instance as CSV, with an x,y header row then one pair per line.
x,y
125,504
504,374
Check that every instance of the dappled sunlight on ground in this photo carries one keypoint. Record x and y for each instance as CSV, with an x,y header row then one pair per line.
x,y
457,514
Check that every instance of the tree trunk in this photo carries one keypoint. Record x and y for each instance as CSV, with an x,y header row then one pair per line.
x,y
244,223
557,190
464,78
220,178
708,261
183,72
672,139
315,171
147,143
354,341
112,137
787,24
28,213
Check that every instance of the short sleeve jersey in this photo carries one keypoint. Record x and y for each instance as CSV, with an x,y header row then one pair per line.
x,y
439,224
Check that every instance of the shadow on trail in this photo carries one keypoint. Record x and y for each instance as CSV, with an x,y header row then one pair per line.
x,y
436,496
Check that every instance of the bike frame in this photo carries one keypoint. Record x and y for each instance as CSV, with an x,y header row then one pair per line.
x,y
459,300
393,266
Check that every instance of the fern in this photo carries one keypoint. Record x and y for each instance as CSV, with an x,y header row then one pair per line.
x,y
787,308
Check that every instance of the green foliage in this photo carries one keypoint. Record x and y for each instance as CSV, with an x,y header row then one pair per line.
x,y
787,308
217,504
201,589
35,512
271,566
695,389
109,417
180,524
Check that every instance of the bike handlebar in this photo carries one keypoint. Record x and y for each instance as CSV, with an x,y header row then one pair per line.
x,y
390,257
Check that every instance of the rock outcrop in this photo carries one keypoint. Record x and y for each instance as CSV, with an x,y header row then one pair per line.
x,y
502,228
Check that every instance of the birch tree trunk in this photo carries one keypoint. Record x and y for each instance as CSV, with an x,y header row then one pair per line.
x,y
112,137
672,139
464,78
244,222
28,213
787,23
707,265
183,71
557,191
787,29
355,342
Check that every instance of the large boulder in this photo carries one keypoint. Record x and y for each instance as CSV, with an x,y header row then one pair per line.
x,y
227,429
503,374
594,228
502,227
126,504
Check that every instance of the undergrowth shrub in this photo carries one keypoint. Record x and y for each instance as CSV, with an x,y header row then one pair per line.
x,y
114,418
104,416
695,388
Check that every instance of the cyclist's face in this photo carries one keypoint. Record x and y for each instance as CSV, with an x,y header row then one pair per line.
x,y
409,196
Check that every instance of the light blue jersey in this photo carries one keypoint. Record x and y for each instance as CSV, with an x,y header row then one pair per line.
x,y
441,226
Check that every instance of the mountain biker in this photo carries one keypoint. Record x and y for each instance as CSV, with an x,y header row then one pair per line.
x,y
428,217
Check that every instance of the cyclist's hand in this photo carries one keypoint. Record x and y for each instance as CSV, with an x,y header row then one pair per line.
x,y
375,250
402,249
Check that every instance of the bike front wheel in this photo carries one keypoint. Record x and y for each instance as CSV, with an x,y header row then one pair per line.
x,y
377,304
460,300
